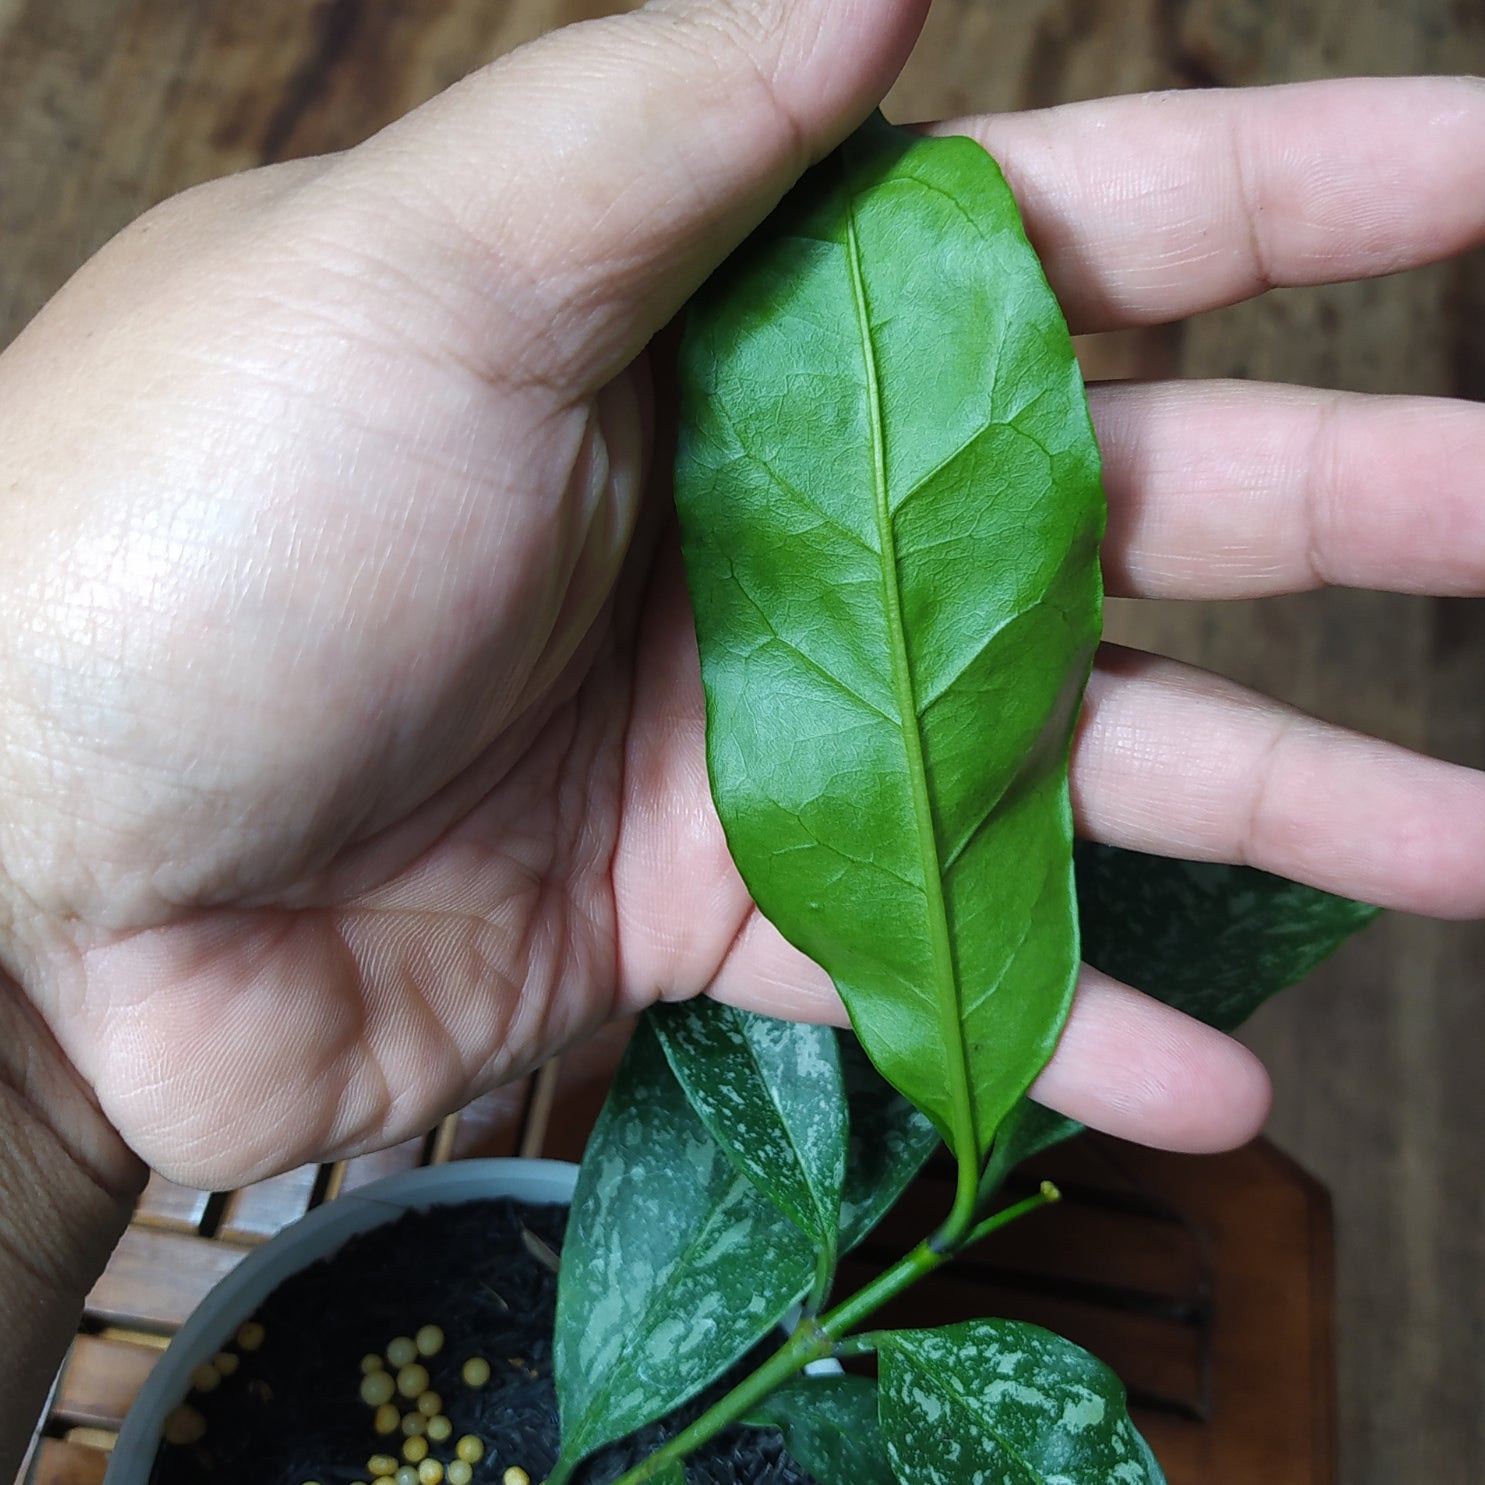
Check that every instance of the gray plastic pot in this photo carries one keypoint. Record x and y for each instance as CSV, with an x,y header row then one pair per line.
x,y
314,1236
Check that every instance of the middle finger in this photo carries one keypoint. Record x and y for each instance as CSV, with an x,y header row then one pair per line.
x,y
1239,490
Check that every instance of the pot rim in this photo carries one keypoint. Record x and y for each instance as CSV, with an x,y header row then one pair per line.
x,y
315,1235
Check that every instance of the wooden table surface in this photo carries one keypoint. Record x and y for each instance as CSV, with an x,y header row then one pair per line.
x,y
108,105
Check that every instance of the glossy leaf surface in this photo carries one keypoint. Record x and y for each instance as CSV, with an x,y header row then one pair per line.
x,y
830,1426
770,1093
890,510
1212,940
997,1400
890,1141
672,1267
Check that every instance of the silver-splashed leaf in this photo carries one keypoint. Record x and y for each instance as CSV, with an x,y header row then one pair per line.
x,y
673,1265
999,1401
770,1093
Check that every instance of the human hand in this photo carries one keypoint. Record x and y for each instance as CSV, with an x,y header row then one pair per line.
x,y
353,746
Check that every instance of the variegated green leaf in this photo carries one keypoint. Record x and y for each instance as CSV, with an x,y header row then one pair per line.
x,y
1213,940
771,1095
673,1264
830,1427
998,1401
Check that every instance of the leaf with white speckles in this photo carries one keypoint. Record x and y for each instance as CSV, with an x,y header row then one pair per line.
x,y
771,1095
830,1427
673,1265
997,1402
1213,940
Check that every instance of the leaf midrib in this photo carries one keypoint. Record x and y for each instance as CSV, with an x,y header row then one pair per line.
x,y
946,995
821,1234
771,1093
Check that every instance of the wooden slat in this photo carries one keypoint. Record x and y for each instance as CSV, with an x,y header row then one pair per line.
x,y
441,1141
1273,1326
164,1204
1082,1238
1157,1257
155,1278
58,1462
362,1170
492,1124
100,1380
150,1338
585,1072
539,1109
258,1211
101,1439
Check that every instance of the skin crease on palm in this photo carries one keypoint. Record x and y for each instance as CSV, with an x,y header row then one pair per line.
x,y
352,758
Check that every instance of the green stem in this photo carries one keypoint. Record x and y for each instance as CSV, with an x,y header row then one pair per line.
x,y
824,1278
814,1340
1006,1215
807,1344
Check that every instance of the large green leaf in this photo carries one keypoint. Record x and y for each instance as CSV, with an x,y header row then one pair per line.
x,y
1212,940
890,1140
1003,1401
770,1093
890,511
673,1265
830,1426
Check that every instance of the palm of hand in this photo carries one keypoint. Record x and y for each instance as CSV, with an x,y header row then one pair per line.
x,y
387,869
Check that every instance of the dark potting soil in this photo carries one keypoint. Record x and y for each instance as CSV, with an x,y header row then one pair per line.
x,y
292,1412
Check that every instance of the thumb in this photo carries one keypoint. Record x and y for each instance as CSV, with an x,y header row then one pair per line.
x,y
589,181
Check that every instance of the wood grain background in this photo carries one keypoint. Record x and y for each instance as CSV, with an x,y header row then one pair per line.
x,y
106,106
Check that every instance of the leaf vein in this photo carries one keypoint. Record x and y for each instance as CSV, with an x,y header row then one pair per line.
x,y
788,487
809,661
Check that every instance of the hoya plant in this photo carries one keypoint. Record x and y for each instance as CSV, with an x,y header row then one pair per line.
x,y
890,506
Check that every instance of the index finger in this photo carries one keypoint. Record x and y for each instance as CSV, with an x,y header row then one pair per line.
x,y
1157,206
